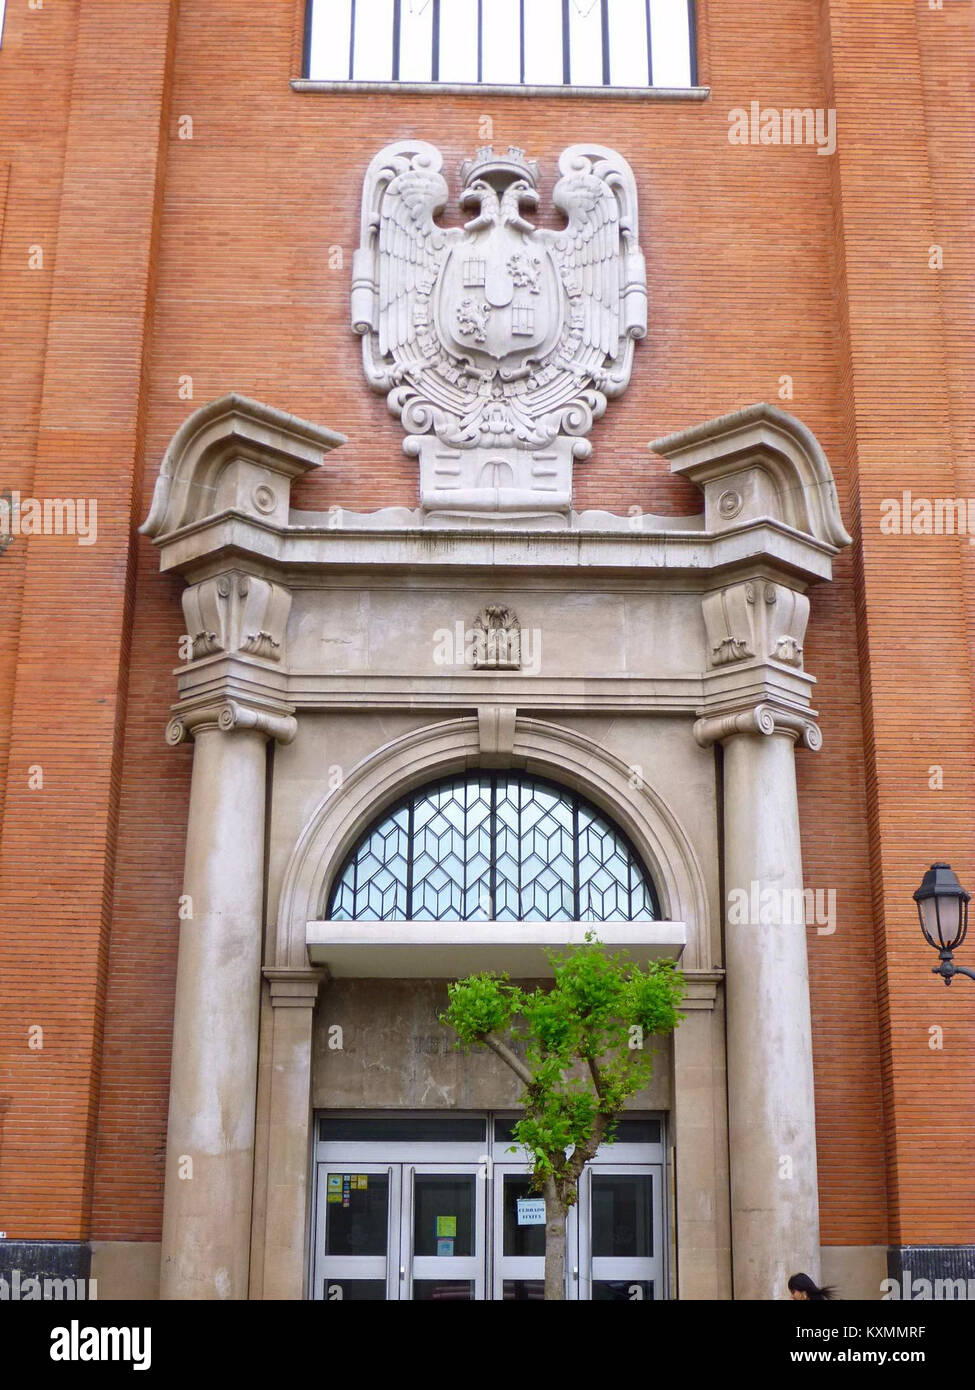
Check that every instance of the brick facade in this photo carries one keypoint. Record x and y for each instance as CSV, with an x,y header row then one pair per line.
x,y
212,257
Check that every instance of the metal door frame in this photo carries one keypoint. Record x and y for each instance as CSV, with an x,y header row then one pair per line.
x,y
491,1161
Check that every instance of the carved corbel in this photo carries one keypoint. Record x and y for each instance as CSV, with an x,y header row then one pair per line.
x,y
755,620
237,613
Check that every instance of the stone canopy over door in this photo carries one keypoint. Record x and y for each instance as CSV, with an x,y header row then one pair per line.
x,y
327,643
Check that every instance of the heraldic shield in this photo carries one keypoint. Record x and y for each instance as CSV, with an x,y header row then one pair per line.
x,y
498,343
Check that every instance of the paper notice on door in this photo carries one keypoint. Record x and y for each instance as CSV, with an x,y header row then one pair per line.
x,y
531,1211
446,1226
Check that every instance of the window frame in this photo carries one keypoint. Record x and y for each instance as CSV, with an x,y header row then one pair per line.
x,y
429,789
691,91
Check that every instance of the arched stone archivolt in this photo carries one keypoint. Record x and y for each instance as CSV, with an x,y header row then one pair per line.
x,y
454,746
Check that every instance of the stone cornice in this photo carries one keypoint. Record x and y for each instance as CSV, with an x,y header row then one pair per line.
x,y
755,462
292,554
233,453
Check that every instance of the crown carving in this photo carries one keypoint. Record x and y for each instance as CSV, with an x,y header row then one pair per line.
x,y
499,168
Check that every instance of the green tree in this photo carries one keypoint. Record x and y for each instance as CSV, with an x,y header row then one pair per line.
x,y
587,1052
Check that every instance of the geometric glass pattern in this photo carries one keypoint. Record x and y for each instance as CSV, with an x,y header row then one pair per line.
x,y
497,847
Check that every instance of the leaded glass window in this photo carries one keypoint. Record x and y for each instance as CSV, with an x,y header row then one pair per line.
x,y
494,846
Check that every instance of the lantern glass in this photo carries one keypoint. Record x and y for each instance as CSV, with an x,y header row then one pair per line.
x,y
942,906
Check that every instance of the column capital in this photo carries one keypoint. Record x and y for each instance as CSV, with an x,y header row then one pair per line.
x,y
228,715
295,989
761,720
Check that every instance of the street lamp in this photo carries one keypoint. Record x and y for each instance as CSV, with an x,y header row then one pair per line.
x,y
942,906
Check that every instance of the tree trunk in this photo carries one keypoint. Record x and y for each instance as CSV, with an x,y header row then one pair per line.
x,y
554,1243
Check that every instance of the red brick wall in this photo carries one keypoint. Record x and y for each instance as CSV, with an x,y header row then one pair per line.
x,y
762,261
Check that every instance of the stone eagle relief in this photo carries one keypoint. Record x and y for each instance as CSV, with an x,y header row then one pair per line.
x,y
498,343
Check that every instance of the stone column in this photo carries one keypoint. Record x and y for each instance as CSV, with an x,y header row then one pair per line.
x,y
210,1140
293,996
772,1117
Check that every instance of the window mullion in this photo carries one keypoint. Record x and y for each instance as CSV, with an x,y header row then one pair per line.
x,y
409,860
576,904
493,846
650,44
566,45
480,40
521,38
435,43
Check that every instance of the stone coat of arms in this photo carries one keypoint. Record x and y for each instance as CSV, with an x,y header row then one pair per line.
x,y
498,343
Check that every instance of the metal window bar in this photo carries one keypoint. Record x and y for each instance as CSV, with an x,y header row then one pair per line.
x,y
519,792
576,904
480,40
521,40
566,59
566,41
646,10
691,40
396,38
410,915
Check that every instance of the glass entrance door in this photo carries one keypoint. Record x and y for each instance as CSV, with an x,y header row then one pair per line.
x,y
356,1210
619,1223
442,1239
404,1231
440,1209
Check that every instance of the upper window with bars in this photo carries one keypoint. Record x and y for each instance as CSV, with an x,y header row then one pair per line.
x,y
507,847
622,44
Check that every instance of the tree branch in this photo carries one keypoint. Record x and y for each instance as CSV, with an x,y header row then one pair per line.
x,y
506,1055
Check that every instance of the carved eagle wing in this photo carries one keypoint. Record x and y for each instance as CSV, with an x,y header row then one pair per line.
x,y
402,247
602,266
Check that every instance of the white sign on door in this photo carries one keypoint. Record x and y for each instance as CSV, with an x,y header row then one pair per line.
x,y
531,1211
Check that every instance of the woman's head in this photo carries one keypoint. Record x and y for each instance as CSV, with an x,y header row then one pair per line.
x,y
802,1287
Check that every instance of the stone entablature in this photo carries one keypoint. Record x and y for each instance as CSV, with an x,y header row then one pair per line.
x,y
686,621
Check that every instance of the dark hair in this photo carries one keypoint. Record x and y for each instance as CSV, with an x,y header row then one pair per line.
x,y
801,1283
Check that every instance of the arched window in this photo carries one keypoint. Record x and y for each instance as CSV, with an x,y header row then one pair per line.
x,y
498,846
